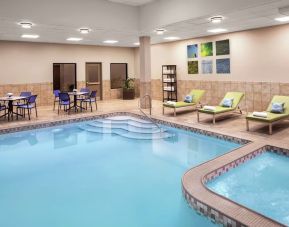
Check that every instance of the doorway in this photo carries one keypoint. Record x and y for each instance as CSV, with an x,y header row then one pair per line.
x,y
64,76
93,77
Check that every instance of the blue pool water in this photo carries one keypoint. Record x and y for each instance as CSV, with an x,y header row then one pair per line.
x,y
69,177
261,184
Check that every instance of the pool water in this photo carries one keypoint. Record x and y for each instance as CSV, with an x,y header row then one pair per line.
x,y
261,184
68,177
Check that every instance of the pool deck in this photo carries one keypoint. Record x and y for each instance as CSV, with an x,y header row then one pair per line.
x,y
218,208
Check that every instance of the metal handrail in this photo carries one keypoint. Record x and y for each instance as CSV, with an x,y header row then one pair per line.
x,y
150,105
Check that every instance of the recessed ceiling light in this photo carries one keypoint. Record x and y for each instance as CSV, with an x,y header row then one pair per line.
x,y
74,39
84,30
136,44
217,30
160,31
171,38
282,19
110,41
26,25
29,36
216,19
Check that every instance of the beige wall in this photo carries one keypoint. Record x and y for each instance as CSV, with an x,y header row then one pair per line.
x,y
23,62
260,55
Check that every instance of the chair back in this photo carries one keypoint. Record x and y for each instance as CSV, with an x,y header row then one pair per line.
x,y
236,96
84,89
32,99
56,93
25,93
280,99
93,94
64,97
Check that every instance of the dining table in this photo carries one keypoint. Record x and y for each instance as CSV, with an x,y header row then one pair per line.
x,y
10,100
75,95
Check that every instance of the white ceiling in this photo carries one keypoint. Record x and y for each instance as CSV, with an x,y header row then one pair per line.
x,y
132,2
126,20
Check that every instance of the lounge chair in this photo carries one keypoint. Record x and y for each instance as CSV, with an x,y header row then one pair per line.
x,y
220,109
267,116
196,94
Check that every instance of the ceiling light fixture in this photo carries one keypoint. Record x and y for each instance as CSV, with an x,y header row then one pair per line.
x,y
84,30
160,31
282,19
136,44
110,41
26,25
217,30
171,38
74,39
29,36
216,19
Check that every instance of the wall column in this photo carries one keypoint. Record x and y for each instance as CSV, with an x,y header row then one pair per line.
x,y
145,69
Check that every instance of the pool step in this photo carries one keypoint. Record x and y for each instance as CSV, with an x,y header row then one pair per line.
x,y
127,127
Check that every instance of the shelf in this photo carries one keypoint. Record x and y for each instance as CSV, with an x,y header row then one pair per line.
x,y
169,81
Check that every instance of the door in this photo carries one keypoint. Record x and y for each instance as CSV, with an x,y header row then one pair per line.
x,y
64,76
93,77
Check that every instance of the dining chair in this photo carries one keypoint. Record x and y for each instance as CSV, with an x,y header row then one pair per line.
x,y
3,107
91,99
83,97
64,100
29,105
25,94
56,97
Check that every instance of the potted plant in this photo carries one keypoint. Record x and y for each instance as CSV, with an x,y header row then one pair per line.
x,y
128,89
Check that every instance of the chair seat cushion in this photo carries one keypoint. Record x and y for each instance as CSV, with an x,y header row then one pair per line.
x,y
64,102
218,110
24,106
179,104
3,107
89,100
271,117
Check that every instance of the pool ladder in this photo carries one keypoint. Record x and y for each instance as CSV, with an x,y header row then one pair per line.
x,y
150,107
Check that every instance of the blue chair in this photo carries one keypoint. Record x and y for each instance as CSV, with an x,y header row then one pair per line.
x,y
22,94
56,97
82,97
3,108
90,100
29,105
64,100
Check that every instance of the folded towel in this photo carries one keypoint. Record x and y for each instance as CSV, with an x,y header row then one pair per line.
x,y
211,108
171,103
260,114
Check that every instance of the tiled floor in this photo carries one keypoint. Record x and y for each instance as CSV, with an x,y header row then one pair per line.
x,y
231,124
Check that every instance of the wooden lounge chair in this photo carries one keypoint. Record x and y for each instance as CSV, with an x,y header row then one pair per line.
x,y
237,98
197,96
271,117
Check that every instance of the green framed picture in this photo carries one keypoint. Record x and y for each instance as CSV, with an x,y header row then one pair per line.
x,y
193,67
207,49
223,47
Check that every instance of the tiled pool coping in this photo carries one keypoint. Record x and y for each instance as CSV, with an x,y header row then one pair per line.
x,y
219,209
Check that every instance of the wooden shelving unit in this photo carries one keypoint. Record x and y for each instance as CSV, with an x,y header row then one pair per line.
x,y
169,82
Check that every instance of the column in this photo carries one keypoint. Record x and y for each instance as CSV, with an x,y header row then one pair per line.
x,y
145,69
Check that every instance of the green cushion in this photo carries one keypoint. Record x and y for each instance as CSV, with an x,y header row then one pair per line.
x,y
180,104
197,95
237,96
271,117
218,110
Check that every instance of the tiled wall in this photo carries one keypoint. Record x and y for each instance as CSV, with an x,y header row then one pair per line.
x,y
45,91
257,94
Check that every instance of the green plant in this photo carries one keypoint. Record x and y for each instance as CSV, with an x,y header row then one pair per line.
x,y
128,84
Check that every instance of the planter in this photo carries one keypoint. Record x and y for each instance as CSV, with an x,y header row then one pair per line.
x,y
128,94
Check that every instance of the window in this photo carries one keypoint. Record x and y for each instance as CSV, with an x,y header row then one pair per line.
x,y
64,76
118,73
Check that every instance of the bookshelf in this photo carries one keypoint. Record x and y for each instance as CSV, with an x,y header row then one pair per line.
x,y
169,83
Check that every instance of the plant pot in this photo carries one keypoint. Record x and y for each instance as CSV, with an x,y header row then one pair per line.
x,y
128,94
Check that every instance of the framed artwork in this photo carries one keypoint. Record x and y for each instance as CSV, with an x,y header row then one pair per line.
x,y
207,49
207,66
223,47
192,51
223,66
193,67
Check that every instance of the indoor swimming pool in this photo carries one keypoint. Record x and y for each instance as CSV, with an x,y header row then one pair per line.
x,y
112,172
